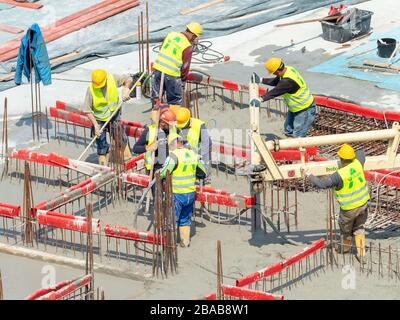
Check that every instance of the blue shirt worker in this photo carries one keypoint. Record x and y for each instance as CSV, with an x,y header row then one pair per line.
x,y
291,85
351,191
185,167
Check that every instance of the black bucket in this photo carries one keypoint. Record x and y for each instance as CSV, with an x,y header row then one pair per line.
x,y
386,47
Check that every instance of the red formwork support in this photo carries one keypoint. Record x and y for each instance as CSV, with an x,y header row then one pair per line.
x,y
33,156
137,179
66,221
280,266
357,109
247,294
68,25
61,290
383,178
133,163
133,235
43,291
70,117
9,210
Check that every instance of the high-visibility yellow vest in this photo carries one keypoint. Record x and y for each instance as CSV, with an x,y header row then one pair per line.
x,y
194,133
354,193
169,60
151,139
184,176
302,98
103,108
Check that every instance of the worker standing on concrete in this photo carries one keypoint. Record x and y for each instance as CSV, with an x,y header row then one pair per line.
x,y
147,142
102,99
290,84
174,61
185,166
195,135
351,190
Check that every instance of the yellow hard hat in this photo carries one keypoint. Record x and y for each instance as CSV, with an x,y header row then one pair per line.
x,y
174,107
195,28
182,117
173,136
273,64
99,78
346,152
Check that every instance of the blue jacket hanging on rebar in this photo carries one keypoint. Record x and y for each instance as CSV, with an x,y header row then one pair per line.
x,y
40,58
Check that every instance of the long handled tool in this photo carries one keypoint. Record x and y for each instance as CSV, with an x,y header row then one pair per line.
x,y
160,94
108,121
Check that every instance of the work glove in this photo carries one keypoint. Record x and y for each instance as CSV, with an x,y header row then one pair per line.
x,y
126,94
306,172
256,102
255,78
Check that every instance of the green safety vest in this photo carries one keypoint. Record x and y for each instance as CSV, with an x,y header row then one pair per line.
x,y
194,132
169,60
354,193
150,139
102,108
184,176
302,98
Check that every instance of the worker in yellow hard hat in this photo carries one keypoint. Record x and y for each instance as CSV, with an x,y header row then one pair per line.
x,y
174,61
351,190
185,168
154,144
101,101
195,136
291,85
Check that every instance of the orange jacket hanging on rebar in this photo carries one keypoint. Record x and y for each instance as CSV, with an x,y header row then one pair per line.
x,y
103,108
169,59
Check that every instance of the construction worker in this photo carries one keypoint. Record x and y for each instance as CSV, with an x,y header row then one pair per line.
x,y
351,190
184,166
174,61
147,142
290,84
102,99
195,134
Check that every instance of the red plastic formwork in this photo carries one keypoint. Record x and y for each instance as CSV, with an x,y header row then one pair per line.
x,y
134,235
279,266
9,210
356,109
133,163
61,290
247,294
71,117
66,221
51,159
383,178
137,179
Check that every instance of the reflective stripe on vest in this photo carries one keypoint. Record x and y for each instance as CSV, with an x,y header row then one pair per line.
x,y
169,60
150,140
194,133
302,98
184,176
102,108
355,192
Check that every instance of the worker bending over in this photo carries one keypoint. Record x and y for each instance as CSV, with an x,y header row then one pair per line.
x,y
195,135
147,142
184,166
174,61
290,84
102,99
351,190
